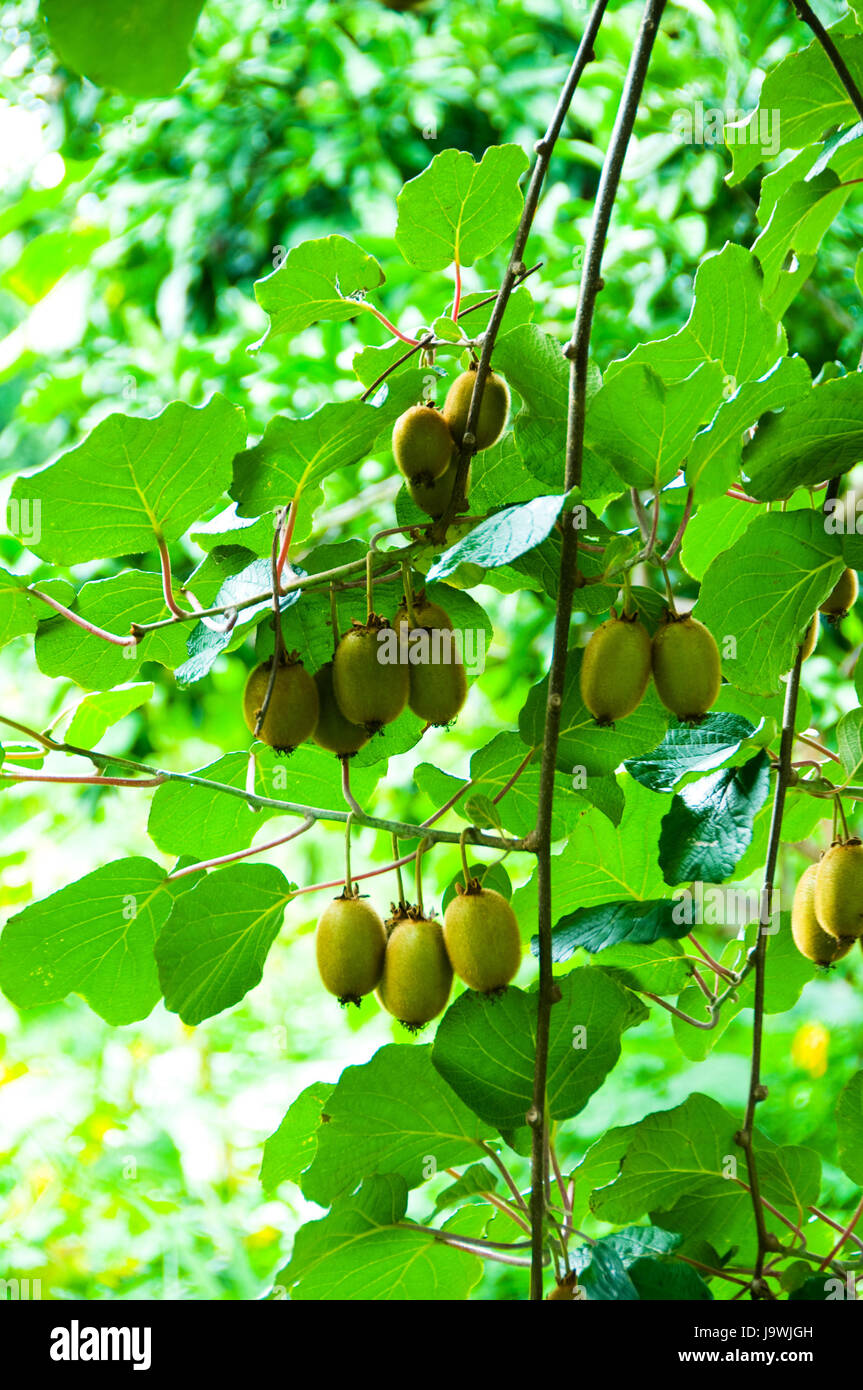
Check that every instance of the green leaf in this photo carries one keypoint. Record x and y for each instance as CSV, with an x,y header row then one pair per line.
x,y
606,1280
709,826
392,1115
849,1126
458,210
534,365
679,1167
802,97
603,861
364,1250
95,714
94,938
667,1281
205,643
823,430
295,456
288,1152
324,279
608,924
502,537
849,740
474,1182
799,221
64,648
758,598
212,950
133,480
644,426
17,609
686,749
189,818
728,324
715,458
660,967
142,50
485,1047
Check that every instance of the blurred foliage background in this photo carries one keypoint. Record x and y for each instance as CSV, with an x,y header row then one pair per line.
x,y
132,234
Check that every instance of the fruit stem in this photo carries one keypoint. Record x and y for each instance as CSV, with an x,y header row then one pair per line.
x,y
349,887
681,530
419,874
668,589
628,607
346,788
334,617
409,594
841,811
398,868
462,850
370,601
456,304
278,637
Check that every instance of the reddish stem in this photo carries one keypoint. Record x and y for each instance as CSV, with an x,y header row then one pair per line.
x,y
846,1235
414,342
88,781
514,778
82,622
243,853
456,304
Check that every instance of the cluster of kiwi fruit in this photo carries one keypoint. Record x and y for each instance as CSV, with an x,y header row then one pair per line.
x,y
827,912
356,694
410,959
620,658
426,440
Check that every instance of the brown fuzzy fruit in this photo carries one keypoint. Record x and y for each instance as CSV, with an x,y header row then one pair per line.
x,y
810,938
615,669
482,938
417,976
369,691
422,444
493,411
332,731
434,499
293,709
349,945
839,890
438,682
843,597
686,667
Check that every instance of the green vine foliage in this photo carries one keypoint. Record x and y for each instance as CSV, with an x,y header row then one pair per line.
x,y
251,369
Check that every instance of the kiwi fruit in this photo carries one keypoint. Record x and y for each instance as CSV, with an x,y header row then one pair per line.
x,y
434,498
369,692
293,709
686,667
332,731
482,938
422,444
493,410
438,687
417,977
615,669
350,943
810,938
843,596
808,643
839,890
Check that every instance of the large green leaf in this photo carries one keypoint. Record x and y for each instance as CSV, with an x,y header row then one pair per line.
x,y
817,436
708,827
503,537
644,426
323,279
758,598
611,924
849,1125
142,50
17,610
365,1250
486,1047
395,1114
728,324
133,480
289,1151
687,749
212,950
458,210
95,714
94,937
